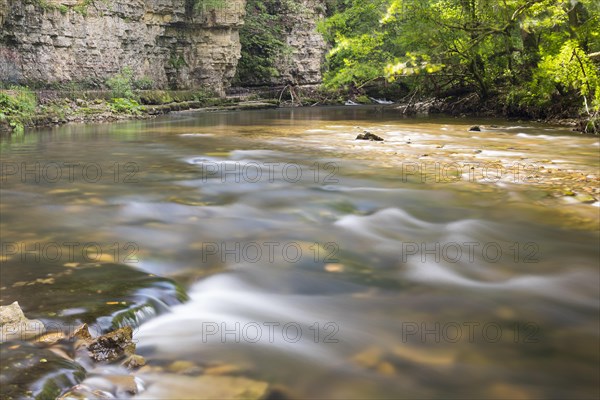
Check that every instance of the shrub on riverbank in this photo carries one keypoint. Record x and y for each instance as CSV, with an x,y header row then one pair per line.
x,y
24,108
126,106
17,107
126,86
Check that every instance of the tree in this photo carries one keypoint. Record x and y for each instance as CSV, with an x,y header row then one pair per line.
x,y
529,52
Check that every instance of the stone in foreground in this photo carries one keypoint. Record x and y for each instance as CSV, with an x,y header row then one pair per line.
x,y
112,346
15,326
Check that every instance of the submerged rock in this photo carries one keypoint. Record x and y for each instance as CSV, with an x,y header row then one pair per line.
x,y
184,367
585,198
105,387
65,371
369,136
82,333
28,371
475,128
107,296
15,326
171,386
134,361
110,347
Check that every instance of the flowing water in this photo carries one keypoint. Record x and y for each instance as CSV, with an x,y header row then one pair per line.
x,y
441,263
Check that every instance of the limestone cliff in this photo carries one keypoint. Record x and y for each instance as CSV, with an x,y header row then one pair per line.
x,y
307,46
172,42
281,43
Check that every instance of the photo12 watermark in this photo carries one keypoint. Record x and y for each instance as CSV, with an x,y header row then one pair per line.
x,y
269,332
469,332
249,332
70,251
470,171
269,252
55,172
48,331
268,172
470,252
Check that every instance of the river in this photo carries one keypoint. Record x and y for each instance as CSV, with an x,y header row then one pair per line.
x,y
441,263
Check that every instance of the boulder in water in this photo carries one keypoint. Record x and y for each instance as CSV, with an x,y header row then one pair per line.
x,y
369,136
15,326
134,361
113,346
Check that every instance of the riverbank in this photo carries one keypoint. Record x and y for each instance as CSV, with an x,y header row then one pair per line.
x,y
23,109
462,105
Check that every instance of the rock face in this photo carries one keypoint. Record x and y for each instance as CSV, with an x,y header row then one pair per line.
x,y
173,42
300,51
308,48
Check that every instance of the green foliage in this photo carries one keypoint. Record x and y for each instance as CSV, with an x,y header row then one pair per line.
x,y
80,8
202,95
17,107
264,52
531,51
571,69
177,61
160,97
121,84
363,99
156,97
144,83
55,108
360,52
126,106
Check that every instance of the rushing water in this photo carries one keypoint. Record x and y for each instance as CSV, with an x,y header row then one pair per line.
x,y
327,267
